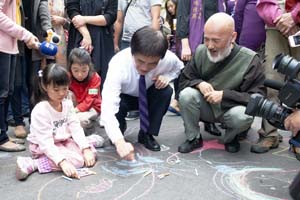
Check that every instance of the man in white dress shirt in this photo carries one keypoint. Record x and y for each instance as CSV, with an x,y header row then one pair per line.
x,y
148,56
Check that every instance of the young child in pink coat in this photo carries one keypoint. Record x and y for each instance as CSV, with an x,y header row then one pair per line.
x,y
57,141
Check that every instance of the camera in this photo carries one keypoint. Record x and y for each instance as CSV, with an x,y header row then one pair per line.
x,y
289,93
289,96
261,107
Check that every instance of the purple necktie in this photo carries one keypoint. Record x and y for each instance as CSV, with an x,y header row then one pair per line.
x,y
143,105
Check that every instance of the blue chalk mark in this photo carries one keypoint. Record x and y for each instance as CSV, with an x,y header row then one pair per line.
x,y
148,159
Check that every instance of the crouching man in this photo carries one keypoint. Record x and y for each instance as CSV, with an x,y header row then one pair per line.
x,y
217,84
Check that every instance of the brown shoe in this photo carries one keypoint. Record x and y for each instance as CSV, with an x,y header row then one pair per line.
x,y
264,144
11,147
20,131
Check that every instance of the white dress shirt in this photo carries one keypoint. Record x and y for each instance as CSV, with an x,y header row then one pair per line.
x,y
122,77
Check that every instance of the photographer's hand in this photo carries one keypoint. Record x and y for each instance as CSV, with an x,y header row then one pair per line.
x,y
292,122
285,23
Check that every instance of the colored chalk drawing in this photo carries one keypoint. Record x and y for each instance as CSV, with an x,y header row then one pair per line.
x,y
231,179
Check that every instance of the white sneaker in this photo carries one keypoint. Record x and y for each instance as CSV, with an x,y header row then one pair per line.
x,y
25,167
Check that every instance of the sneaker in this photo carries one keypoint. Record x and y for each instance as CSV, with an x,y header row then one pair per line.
x,y
20,131
189,146
25,167
264,144
132,115
96,140
233,146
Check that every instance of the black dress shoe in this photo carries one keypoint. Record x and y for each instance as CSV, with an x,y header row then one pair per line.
x,y
212,129
233,146
148,141
189,146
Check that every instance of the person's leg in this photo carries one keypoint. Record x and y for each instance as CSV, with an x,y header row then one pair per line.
x,y
127,103
24,92
193,108
39,161
158,103
88,120
236,122
16,101
7,63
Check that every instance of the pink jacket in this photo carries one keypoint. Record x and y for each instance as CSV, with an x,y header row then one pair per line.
x,y
49,128
9,30
269,10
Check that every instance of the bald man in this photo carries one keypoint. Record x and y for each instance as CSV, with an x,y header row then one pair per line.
x,y
216,85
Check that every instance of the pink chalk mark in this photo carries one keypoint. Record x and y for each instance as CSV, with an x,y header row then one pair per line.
x,y
210,144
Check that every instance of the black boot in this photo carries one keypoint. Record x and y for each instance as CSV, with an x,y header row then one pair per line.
x,y
233,146
189,146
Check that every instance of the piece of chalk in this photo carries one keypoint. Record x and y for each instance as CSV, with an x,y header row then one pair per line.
x,y
208,162
196,171
147,173
67,178
161,176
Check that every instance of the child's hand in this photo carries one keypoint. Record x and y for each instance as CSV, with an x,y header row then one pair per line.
x,y
69,169
89,158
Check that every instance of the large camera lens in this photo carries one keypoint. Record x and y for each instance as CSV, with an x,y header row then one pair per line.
x,y
261,107
287,65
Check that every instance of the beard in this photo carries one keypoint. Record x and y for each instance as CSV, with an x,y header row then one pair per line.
x,y
221,54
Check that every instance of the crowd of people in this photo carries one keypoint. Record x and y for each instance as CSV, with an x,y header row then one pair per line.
x,y
118,56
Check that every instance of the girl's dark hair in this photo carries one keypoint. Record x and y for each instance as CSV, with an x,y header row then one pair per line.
x,y
149,42
82,57
52,74
169,17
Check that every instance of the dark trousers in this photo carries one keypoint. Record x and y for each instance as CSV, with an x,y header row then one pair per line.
x,y
158,103
7,76
17,101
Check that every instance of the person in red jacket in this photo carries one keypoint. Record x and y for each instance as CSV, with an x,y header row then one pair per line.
x,y
85,86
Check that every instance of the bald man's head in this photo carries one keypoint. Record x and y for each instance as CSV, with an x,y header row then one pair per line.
x,y
220,22
219,36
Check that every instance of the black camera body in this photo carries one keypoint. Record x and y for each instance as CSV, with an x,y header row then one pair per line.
x,y
289,93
